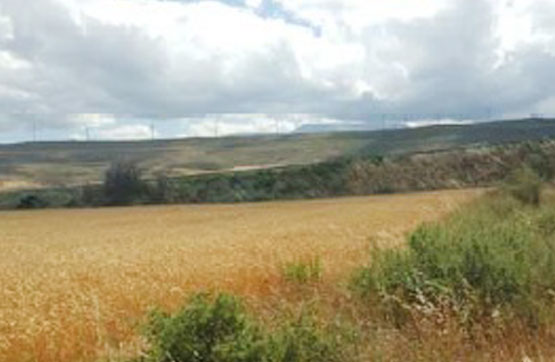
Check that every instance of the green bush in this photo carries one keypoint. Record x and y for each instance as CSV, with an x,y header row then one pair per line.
x,y
32,202
204,331
494,257
303,340
524,185
219,330
539,160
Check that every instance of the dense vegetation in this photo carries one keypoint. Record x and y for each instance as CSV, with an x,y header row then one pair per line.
x,y
494,260
360,175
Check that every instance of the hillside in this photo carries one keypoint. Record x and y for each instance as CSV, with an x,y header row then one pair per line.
x,y
27,165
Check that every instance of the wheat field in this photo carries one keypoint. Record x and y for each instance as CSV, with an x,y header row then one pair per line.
x,y
76,284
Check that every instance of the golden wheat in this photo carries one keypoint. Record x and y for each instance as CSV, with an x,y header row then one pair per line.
x,y
75,284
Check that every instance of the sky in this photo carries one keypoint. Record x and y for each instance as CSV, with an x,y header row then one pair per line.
x,y
133,69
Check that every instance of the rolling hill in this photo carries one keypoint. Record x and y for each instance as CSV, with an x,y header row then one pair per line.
x,y
28,165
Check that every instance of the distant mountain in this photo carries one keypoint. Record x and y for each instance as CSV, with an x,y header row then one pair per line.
x,y
365,127
334,127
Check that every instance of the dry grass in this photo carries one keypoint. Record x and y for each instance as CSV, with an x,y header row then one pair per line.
x,y
74,284
11,185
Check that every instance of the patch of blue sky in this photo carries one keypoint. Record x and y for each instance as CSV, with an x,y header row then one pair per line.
x,y
269,9
273,9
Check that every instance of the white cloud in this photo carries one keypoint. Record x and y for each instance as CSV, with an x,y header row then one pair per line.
x,y
113,62
437,122
92,120
6,29
125,132
253,3
212,125
341,19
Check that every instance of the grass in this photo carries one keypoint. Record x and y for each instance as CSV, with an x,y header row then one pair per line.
x,y
303,271
76,285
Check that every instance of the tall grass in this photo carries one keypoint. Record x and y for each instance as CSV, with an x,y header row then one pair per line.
x,y
525,185
303,271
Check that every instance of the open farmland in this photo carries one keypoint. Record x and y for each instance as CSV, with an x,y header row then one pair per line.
x,y
75,284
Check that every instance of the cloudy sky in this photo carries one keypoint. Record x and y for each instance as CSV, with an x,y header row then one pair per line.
x,y
201,67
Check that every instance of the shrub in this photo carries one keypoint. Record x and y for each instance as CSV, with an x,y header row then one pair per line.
x,y
539,160
88,195
204,331
492,258
219,330
524,185
32,202
304,340
123,184
163,190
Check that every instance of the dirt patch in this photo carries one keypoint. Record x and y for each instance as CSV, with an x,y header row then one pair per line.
x,y
13,185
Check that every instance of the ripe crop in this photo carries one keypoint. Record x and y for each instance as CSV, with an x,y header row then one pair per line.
x,y
75,284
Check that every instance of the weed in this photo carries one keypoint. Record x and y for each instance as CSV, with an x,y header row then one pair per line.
x,y
303,271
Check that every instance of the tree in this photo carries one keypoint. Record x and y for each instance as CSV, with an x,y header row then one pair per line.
x,y
123,184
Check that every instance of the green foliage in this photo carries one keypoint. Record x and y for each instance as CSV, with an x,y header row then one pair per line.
x,y
163,191
204,331
32,202
524,185
40,198
303,271
219,330
539,160
303,340
493,258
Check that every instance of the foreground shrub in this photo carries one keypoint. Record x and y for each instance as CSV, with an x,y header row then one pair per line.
x,y
219,330
494,258
524,185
